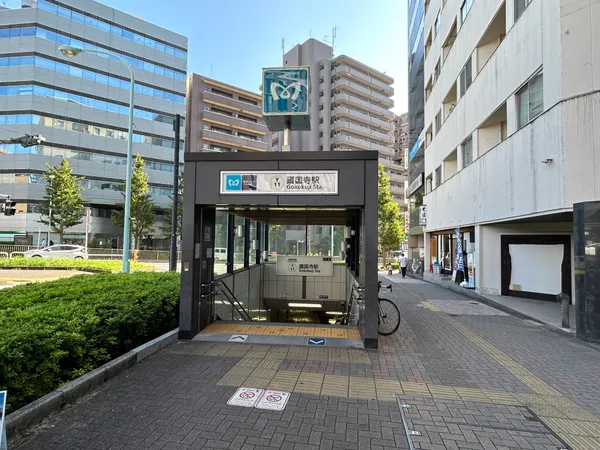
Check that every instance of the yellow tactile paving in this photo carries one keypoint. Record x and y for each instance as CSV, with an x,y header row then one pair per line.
x,y
278,330
443,392
388,389
335,385
411,388
581,442
430,306
284,380
363,388
309,383
576,427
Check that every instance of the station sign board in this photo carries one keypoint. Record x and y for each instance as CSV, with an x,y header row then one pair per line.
x,y
299,265
279,182
285,92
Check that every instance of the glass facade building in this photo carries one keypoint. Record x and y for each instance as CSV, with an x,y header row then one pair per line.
x,y
81,105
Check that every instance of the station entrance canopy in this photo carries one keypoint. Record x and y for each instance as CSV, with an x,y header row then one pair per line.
x,y
277,188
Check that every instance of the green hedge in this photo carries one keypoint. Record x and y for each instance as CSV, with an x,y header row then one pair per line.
x,y
104,266
395,266
53,332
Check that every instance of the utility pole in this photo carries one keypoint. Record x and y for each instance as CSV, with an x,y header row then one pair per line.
x,y
174,218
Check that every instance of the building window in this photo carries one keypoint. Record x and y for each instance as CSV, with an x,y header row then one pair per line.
x,y
438,19
520,6
466,77
531,99
467,151
464,9
437,177
438,122
436,71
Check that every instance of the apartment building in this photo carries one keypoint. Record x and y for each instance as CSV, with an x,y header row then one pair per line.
x,y
401,139
399,170
512,119
350,108
416,120
80,105
223,118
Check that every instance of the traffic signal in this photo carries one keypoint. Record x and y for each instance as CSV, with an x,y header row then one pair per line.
x,y
29,141
9,207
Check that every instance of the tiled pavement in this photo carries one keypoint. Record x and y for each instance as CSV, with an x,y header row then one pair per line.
x,y
473,378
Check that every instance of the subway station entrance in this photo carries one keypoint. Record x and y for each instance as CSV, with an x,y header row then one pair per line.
x,y
273,244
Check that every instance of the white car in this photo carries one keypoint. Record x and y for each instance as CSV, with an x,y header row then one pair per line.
x,y
61,251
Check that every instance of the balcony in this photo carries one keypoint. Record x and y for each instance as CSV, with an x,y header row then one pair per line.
x,y
231,103
235,122
349,72
231,140
362,130
359,89
364,118
398,178
364,105
356,143
508,181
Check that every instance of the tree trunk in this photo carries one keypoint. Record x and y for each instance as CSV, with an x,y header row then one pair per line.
x,y
384,252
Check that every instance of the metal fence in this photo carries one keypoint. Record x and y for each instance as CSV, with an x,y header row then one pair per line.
x,y
95,253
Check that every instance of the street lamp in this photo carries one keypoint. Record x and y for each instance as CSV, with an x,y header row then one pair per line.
x,y
50,178
70,52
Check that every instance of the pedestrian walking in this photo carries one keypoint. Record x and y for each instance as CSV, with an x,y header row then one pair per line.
x,y
43,244
403,264
389,268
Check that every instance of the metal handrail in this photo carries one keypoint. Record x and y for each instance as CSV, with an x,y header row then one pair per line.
x,y
231,298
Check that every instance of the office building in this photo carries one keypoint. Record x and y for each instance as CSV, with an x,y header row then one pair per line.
x,y
416,120
225,118
350,108
512,119
80,105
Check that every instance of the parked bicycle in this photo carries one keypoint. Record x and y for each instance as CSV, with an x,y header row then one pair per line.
x,y
388,315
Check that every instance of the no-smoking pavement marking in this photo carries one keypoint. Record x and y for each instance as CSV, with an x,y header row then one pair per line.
x,y
247,397
273,400
259,398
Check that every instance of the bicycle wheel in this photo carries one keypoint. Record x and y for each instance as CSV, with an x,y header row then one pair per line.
x,y
389,317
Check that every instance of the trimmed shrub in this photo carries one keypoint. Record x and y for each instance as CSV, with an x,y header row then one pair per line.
x,y
395,266
101,266
54,332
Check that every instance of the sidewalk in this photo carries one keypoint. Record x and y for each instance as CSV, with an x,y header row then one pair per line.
x,y
548,313
473,377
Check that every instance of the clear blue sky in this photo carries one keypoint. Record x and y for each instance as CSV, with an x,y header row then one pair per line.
x,y
239,37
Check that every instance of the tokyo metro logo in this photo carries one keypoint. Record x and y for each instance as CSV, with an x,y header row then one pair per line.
x,y
233,182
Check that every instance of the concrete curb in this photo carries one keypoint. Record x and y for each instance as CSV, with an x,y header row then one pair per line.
x,y
41,408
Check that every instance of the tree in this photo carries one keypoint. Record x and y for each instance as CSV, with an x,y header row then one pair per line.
x,y
141,217
169,212
64,198
390,227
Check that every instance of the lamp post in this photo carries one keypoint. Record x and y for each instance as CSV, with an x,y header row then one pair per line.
x,y
50,178
70,52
